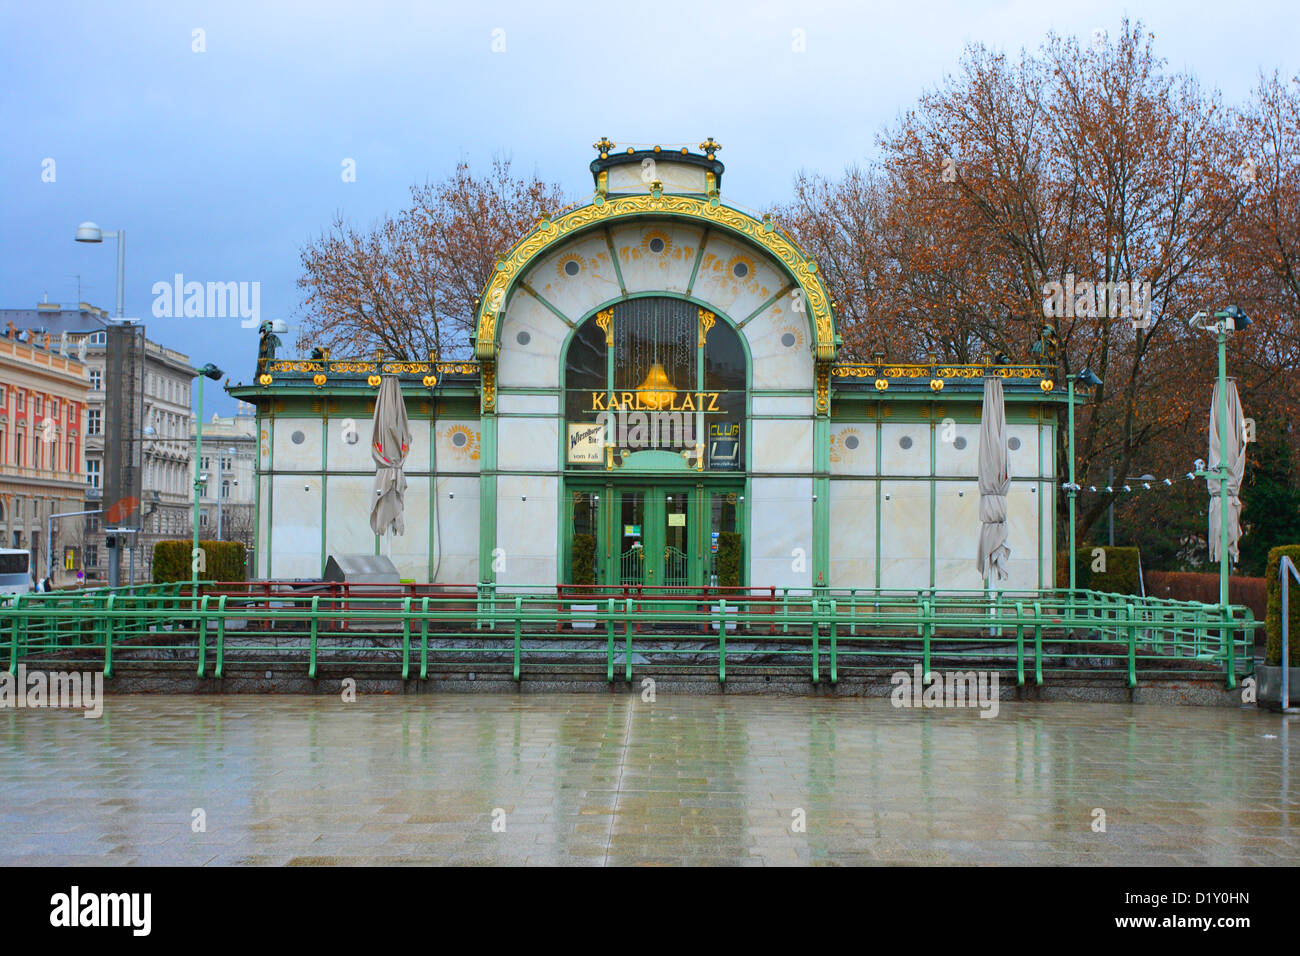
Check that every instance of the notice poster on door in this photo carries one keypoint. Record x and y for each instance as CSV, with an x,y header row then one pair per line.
x,y
677,521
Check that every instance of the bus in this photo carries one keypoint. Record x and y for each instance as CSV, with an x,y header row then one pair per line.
x,y
15,572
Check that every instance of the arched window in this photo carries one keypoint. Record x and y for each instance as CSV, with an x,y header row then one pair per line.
x,y
656,373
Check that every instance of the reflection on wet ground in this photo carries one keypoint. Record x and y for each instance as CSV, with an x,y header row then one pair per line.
x,y
612,779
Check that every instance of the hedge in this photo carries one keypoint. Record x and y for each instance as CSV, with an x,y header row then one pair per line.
x,y
1203,586
584,559
1120,577
224,561
729,554
1273,622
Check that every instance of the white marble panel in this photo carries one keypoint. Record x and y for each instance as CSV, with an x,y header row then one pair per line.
x,y
508,404
781,444
957,531
957,449
780,345
781,532
297,444
853,534
905,535
527,444
456,531
527,529
349,499
853,448
459,444
898,460
296,537
531,339
349,445
264,524
1022,450
645,270
801,405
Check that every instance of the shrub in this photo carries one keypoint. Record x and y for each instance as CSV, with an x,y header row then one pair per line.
x,y
1273,621
1204,587
729,555
1120,577
224,561
584,559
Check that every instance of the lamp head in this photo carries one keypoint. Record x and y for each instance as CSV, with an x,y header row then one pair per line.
x,y
212,372
89,232
1088,377
1234,317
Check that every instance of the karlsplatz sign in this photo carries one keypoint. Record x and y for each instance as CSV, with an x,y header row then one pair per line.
x,y
665,401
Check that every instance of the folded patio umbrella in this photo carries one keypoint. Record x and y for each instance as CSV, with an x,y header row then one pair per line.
x,y
994,481
390,441
1235,447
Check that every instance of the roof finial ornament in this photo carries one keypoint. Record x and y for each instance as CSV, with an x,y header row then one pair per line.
x,y
710,146
603,146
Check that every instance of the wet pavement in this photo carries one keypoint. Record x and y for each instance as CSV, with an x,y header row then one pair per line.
x,y
613,779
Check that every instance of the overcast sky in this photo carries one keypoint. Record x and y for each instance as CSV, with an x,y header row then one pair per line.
x,y
220,164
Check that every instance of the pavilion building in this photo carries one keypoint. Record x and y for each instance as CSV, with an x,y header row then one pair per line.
x,y
658,371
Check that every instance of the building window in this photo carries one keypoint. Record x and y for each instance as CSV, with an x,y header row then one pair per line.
x,y
225,489
22,401
38,404
92,473
96,379
92,556
54,408
94,419
20,449
71,463
3,392
203,519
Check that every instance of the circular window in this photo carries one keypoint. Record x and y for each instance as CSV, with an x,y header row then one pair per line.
x,y
905,442
740,270
959,443
851,442
297,438
788,339
523,338
459,439
656,244
1013,444
571,267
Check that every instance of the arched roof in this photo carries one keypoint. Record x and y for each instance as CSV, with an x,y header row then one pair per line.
x,y
605,209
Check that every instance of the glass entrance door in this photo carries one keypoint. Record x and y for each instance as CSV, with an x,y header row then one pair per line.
x,y
661,534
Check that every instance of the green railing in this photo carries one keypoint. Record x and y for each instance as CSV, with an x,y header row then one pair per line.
x,y
826,634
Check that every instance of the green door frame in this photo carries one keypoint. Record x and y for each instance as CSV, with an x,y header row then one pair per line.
x,y
655,489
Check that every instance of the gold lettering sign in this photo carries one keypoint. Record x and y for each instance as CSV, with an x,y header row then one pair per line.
x,y
655,401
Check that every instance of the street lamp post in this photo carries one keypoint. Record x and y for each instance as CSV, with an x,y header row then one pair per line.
x,y
214,373
1085,377
89,232
1230,319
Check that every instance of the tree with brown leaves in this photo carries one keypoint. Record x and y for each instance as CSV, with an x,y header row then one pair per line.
x,y
408,287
